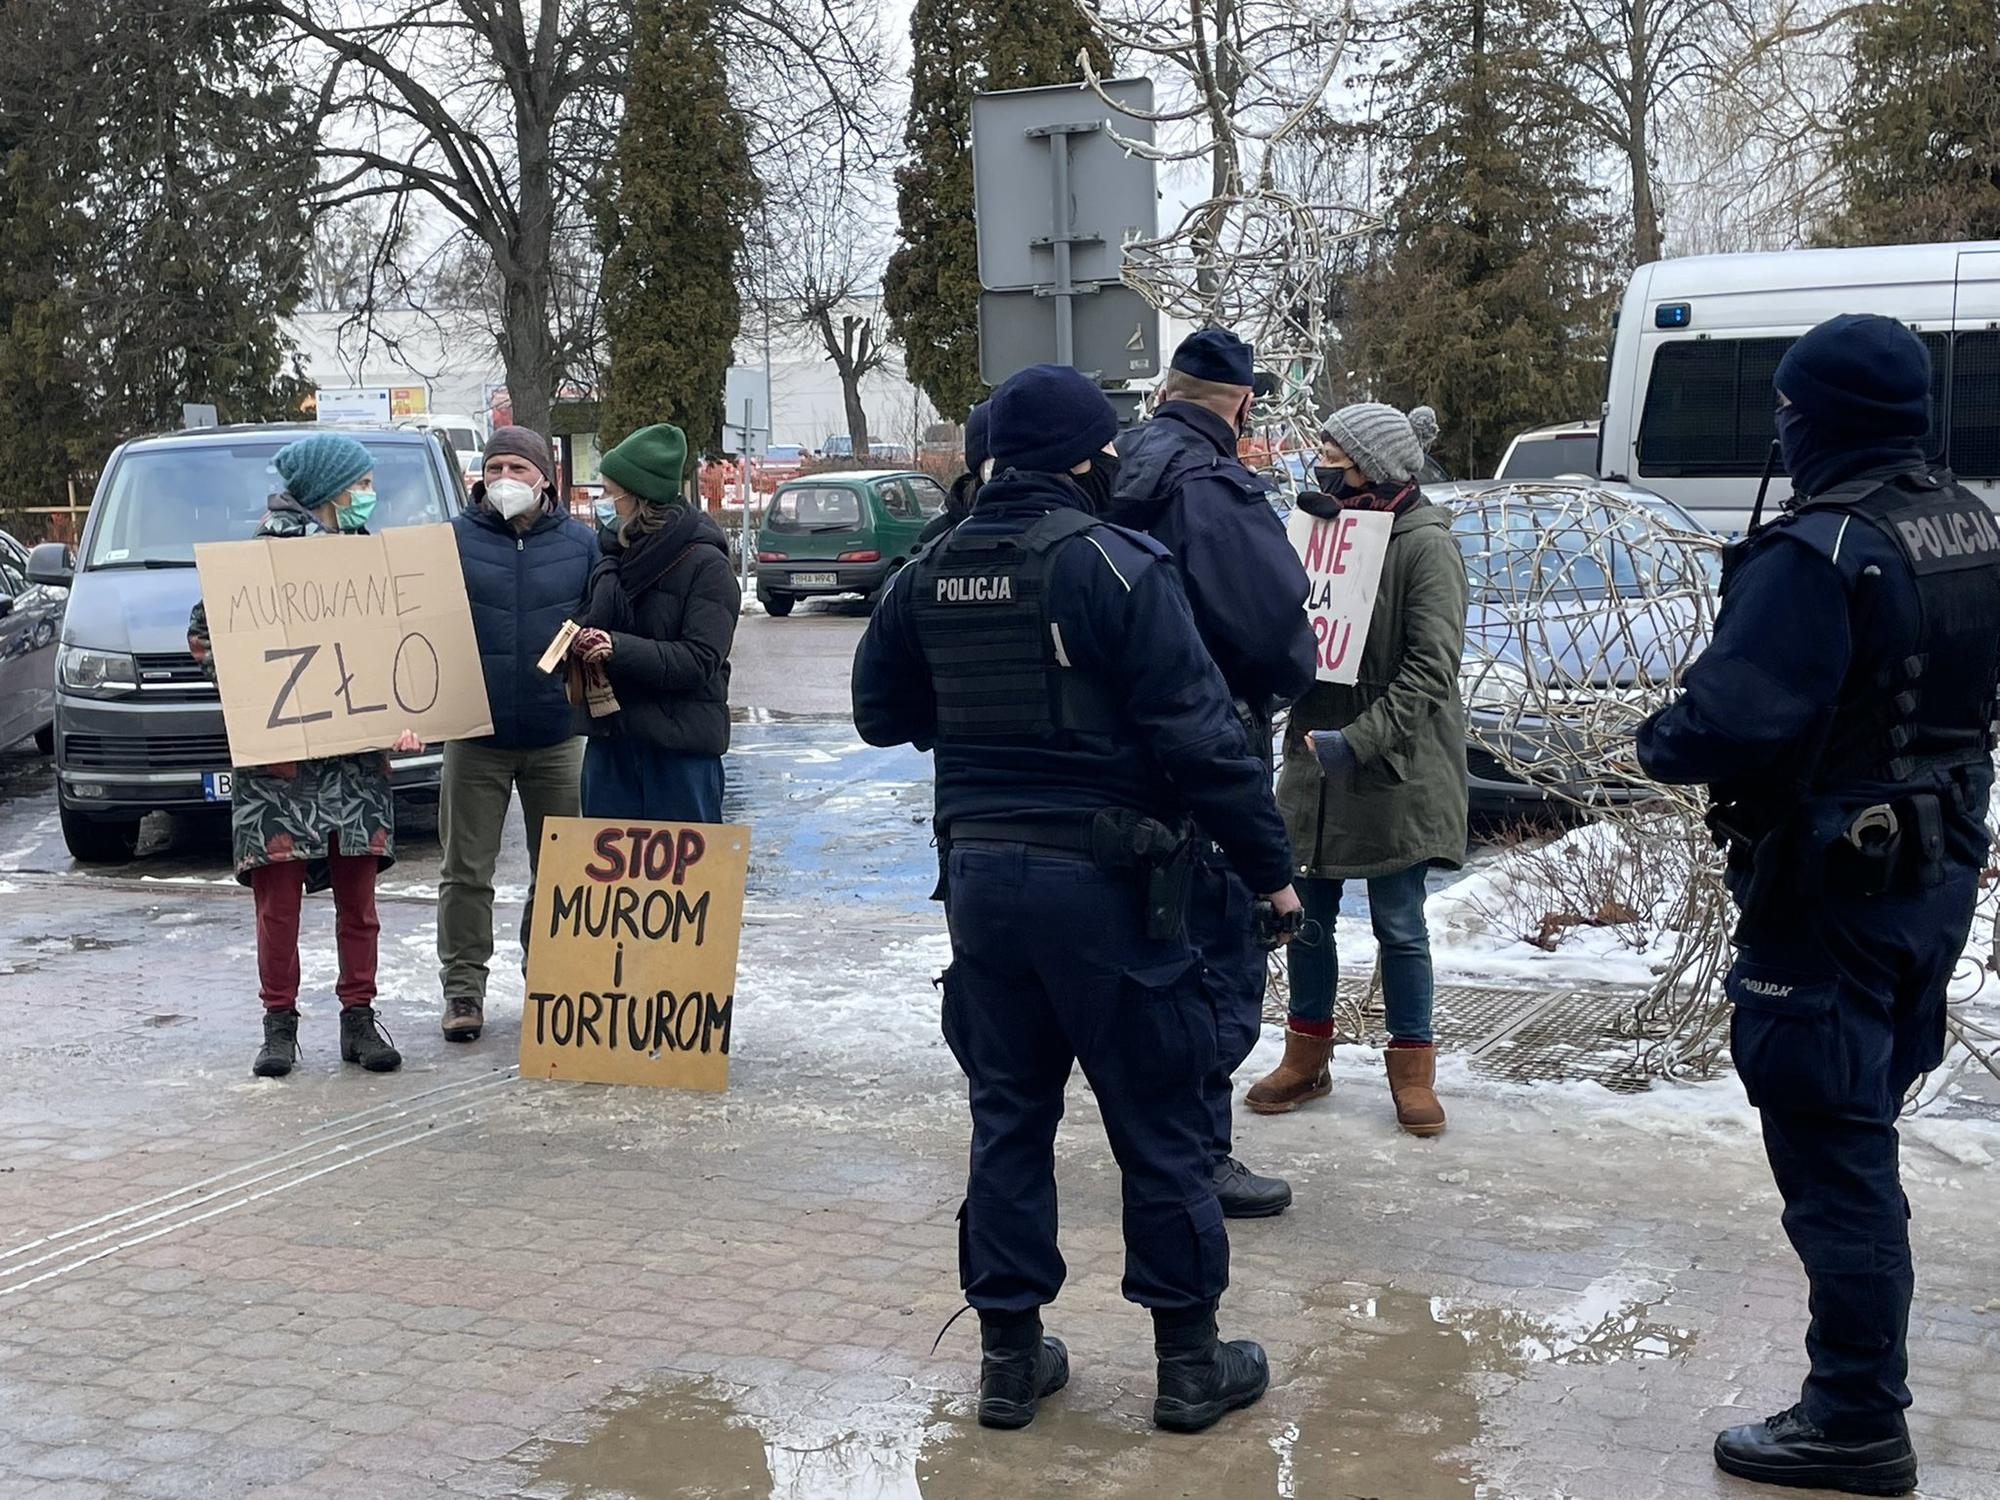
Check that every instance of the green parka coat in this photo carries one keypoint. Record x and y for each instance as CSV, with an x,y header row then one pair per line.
x,y
1404,804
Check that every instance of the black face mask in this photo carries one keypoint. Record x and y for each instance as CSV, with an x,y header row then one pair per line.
x,y
1099,481
1334,481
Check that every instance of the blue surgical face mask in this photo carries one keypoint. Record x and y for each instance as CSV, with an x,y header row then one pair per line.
x,y
353,516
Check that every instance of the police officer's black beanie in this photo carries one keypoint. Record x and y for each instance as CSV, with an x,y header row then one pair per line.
x,y
1047,419
1862,375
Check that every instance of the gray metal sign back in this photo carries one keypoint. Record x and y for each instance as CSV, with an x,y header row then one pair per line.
x,y
1114,334
1041,153
1055,198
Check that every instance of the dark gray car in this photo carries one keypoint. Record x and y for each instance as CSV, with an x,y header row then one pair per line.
x,y
138,726
30,619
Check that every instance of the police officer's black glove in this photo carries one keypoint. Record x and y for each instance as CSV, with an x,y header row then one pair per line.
x,y
1318,503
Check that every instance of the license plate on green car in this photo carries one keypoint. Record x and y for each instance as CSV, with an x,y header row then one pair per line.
x,y
814,580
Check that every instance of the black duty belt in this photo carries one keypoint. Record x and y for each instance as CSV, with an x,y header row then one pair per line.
x,y
1065,835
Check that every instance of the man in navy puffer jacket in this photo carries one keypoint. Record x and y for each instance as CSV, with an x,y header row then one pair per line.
x,y
526,563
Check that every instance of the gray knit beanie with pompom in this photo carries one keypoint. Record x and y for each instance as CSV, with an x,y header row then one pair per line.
x,y
1387,445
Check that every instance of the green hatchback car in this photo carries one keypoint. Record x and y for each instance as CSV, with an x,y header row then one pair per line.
x,y
841,533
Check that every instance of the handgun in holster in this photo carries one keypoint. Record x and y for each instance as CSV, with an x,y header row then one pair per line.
x,y
1122,839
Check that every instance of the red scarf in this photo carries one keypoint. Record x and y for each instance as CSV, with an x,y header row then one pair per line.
x,y
1392,497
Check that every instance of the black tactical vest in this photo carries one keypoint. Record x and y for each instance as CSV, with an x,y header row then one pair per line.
x,y
997,659
1935,708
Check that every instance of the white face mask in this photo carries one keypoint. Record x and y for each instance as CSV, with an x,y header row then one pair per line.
x,y
512,498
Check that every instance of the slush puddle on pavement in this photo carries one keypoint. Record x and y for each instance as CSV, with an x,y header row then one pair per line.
x,y
1390,1407
833,821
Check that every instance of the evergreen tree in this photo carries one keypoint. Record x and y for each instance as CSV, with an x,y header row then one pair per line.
x,y
45,425
672,229
959,48
1917,145
152,234
1487,299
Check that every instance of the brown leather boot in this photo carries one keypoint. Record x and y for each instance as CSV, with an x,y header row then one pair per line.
x,y
1301,1076
1412,1080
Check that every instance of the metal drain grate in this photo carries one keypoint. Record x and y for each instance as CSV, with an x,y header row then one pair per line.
x,y
1568,1038
1522,1035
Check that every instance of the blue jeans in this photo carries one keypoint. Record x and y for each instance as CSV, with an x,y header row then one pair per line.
x,y
1396,903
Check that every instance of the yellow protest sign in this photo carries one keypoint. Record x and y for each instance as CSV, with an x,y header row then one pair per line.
x,y
328,645
632,963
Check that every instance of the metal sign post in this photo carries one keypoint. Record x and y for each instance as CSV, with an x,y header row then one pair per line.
x,y
743,491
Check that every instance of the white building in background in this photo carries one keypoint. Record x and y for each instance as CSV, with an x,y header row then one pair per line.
x,y
451,353
806,403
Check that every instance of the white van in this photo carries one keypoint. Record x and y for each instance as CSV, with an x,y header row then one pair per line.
x,y
465,434
1688,409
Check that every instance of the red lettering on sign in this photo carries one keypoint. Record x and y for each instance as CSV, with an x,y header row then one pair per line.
x,y
688,853
654,854
1316,548
1343,546
606,845
1335,656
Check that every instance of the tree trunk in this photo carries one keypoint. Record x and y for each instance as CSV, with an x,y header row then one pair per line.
x,y
850,364
527,341
857,415
528,349
1647,241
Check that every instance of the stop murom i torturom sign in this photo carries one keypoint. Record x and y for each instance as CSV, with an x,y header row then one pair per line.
x,y
632,963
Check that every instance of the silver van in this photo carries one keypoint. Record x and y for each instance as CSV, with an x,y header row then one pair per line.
x,y
138,726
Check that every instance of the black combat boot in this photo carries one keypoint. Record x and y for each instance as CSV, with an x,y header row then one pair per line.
x,y
1017,1367
1245,1195
362,1040
1202,1378
281,1044
1790,1449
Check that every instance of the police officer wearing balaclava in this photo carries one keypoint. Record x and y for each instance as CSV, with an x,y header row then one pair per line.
x,y
1843,717
1180,480
1049,661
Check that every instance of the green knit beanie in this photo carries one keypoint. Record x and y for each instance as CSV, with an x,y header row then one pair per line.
x,y
649,463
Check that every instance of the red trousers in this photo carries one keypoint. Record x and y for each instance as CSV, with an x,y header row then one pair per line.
x,y
279,890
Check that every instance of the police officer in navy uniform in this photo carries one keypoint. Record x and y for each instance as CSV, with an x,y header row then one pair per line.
x,y
1843,716
1049,661
1180,480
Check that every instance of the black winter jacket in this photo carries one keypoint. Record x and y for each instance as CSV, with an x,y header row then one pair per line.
x,y
670,642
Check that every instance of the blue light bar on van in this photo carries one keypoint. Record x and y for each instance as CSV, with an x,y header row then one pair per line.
x,y
1672,315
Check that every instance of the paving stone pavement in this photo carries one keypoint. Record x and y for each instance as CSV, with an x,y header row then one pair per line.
x,y
451,1282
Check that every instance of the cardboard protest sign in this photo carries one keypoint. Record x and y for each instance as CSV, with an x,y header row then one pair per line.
x,y
327,645
1343,559
632,962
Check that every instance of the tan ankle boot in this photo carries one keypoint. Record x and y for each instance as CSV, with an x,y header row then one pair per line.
x,y
1300,1077
1412,1084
